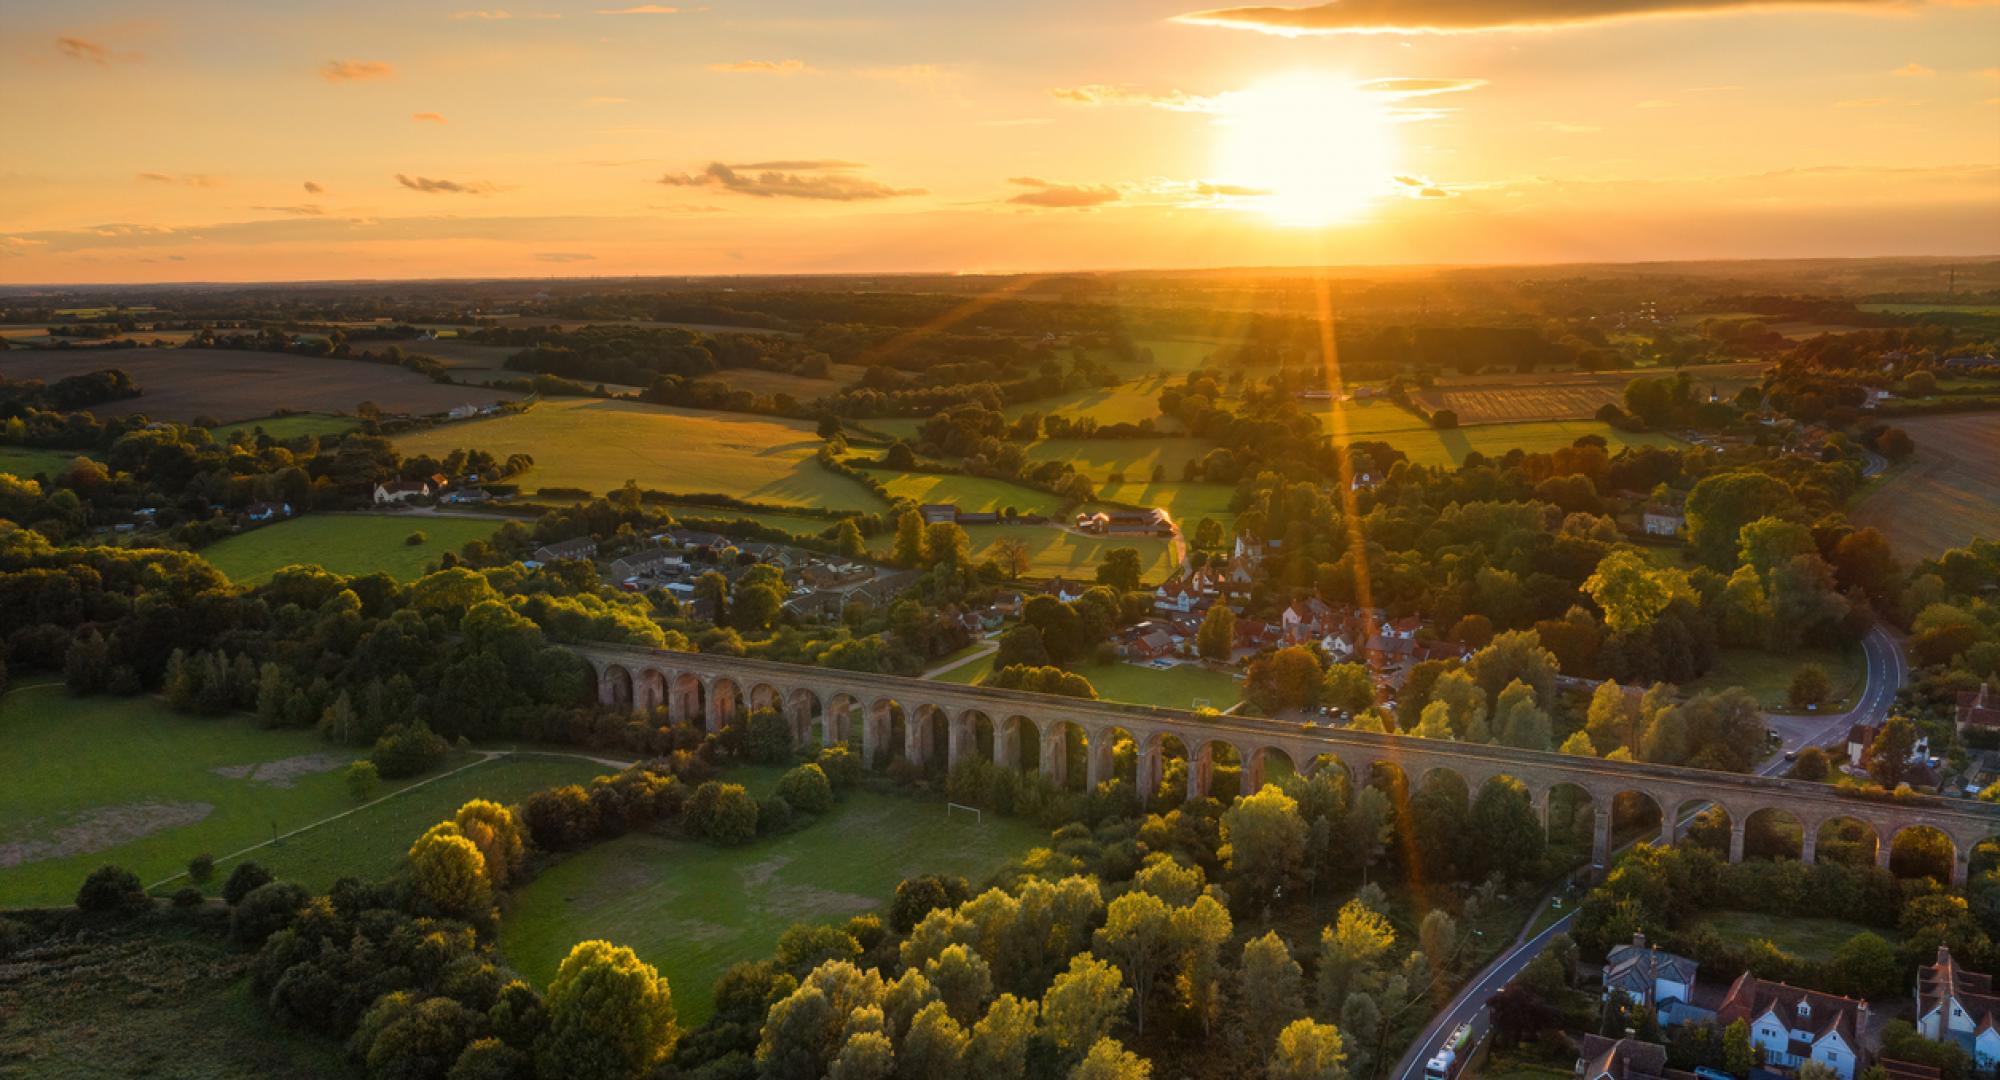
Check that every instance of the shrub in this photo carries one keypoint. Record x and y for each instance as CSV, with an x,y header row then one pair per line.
x,y
408,750
1810,686
245,879
560,819
841,767
265,910
187,896
724,813
13,936
201,868
807,789
363,779
415,538
774,815
110,888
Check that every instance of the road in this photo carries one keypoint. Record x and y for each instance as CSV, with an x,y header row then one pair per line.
x,y
1886,672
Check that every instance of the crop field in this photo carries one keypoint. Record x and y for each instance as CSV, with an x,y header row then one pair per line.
x,y
289,427
1136,458
28,460
791,523
1054,552
1426,446
778,382
229,384
975,493
1947,494
597,445
349,544
692,909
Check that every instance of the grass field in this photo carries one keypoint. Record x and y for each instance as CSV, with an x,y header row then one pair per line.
x,y
1177,687
1188,503
347,544
1449,448
1808,939
776,519
692,910
1947,494
289,427
1136,458
1566,395
28,460
1129,402
1767,676
976,493
597,445
232,384
1366,420
1054,552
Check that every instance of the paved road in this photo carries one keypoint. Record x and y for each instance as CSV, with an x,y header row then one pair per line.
x,y
1886,672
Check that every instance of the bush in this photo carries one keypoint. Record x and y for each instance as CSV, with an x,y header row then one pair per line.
x,y
110,888
560,819
363,779
201,868
13,936
416,538
807,789
841,767
265,910
723,813
187,896
409,750
245,879
774,815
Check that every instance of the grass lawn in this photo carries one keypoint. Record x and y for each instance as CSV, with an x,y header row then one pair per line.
x,y
288,427
975,493
1127,403
1054,552
1360,420
692,910
1136,458
345,544
1178,687
776,519
1429,447
369,843
1512,1067
1769,675
1808,939
129,781
28,460
597,445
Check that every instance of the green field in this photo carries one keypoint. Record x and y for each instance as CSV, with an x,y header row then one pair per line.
x,y
349,544
1188,503
28,460
1054,552
1127,403
1449,448
1362,420
289,427
1988,310
776,519
1807,939
1177,687
1136,458
597,445
975,493
1767,676
692,910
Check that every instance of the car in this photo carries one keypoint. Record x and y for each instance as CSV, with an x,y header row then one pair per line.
x,y
1791,755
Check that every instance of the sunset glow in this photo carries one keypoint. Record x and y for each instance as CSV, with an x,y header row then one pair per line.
x,y
1312,148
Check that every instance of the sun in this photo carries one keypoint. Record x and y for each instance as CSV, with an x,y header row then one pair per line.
x,y
1316,148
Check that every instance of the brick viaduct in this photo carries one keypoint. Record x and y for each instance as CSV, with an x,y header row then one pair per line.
x,y
938,717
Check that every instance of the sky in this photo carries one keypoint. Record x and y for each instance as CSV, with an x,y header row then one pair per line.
x,y
225,140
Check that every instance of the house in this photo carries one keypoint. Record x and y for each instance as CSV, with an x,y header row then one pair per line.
x,y
462,412
1150,645
1361,480
1008,604
1656,980
714,543
1859,738
1600,1057
1065,590
439,481
938,513
1979,708
267,511
978,517
401,491
466,495
646,564
1959,1006
582,547
1305,619
1179,595
1792,1026
1663,521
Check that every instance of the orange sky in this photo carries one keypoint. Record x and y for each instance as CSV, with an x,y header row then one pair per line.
x,y
235,140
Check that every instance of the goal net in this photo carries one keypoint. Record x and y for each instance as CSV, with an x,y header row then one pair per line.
x,y
959,810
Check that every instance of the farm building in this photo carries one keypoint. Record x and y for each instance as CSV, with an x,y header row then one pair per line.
x,y
402,491
1151,522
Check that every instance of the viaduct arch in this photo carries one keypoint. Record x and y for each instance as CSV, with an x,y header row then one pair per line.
x,y
700,688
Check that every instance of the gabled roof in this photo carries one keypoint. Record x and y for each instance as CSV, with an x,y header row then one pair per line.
x,y
1943,980
1605,1058
1750,997
1638,966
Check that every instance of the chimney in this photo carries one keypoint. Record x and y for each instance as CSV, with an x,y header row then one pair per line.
x,y
1944,956
1638,939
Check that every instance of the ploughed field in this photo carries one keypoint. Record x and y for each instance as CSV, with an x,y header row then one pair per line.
x,y
1947,494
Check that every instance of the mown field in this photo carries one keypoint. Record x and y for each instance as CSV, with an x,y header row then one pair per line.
x,y
297,425
1188,503
1450,447
597,445
692,909
1183,686
28,460
230,384
1054,552
975,493
348,544
1099,459
1947,494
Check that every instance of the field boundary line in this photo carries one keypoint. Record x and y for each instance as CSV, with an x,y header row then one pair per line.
x,y
485,757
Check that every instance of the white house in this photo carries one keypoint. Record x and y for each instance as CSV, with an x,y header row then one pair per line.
x,y
1793,1026
401,491
1959,1006
1663,521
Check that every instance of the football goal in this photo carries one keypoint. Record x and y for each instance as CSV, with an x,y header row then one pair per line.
x,y
957,810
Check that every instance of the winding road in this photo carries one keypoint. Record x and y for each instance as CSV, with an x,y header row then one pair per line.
x,y
1887,671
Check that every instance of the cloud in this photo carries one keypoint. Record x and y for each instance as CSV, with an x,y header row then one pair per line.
x,y
1232,191
1416,187
299,210
1469,16
446,187
1058,196
1420,87
1108,94
91,52
502,16
763,67
313,187
563,256
1914,70
185,179
355,70
819,180
641,9
427,118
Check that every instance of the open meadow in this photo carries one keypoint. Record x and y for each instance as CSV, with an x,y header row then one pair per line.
x,y
597,445
293,426
1180,686
236,384
1768,676
1450,447
350,544
28,461
1056,552
975,493
693,909
1944,496
1136,459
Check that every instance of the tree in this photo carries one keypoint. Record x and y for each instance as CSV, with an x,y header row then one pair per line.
x,y
1612,720
933,1045
491,1059
242,881
363,779
1138,937
1811,765
1350,951
909,548
1289,678
1809,686
1121,569
1866,966
1361,1021
1109,1060
1011,554
1021,646
1082,1003
1435,723
1889,755
201,868
1577,745
1308,1050
847,539
1737,1054
1633,592
269,908
998,1048
1721,504
1216,640
1263,843
963,981
610,1015
1271,989
449,871
946,544
1516,654
110,888
1465,705
1519,721
1348,687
